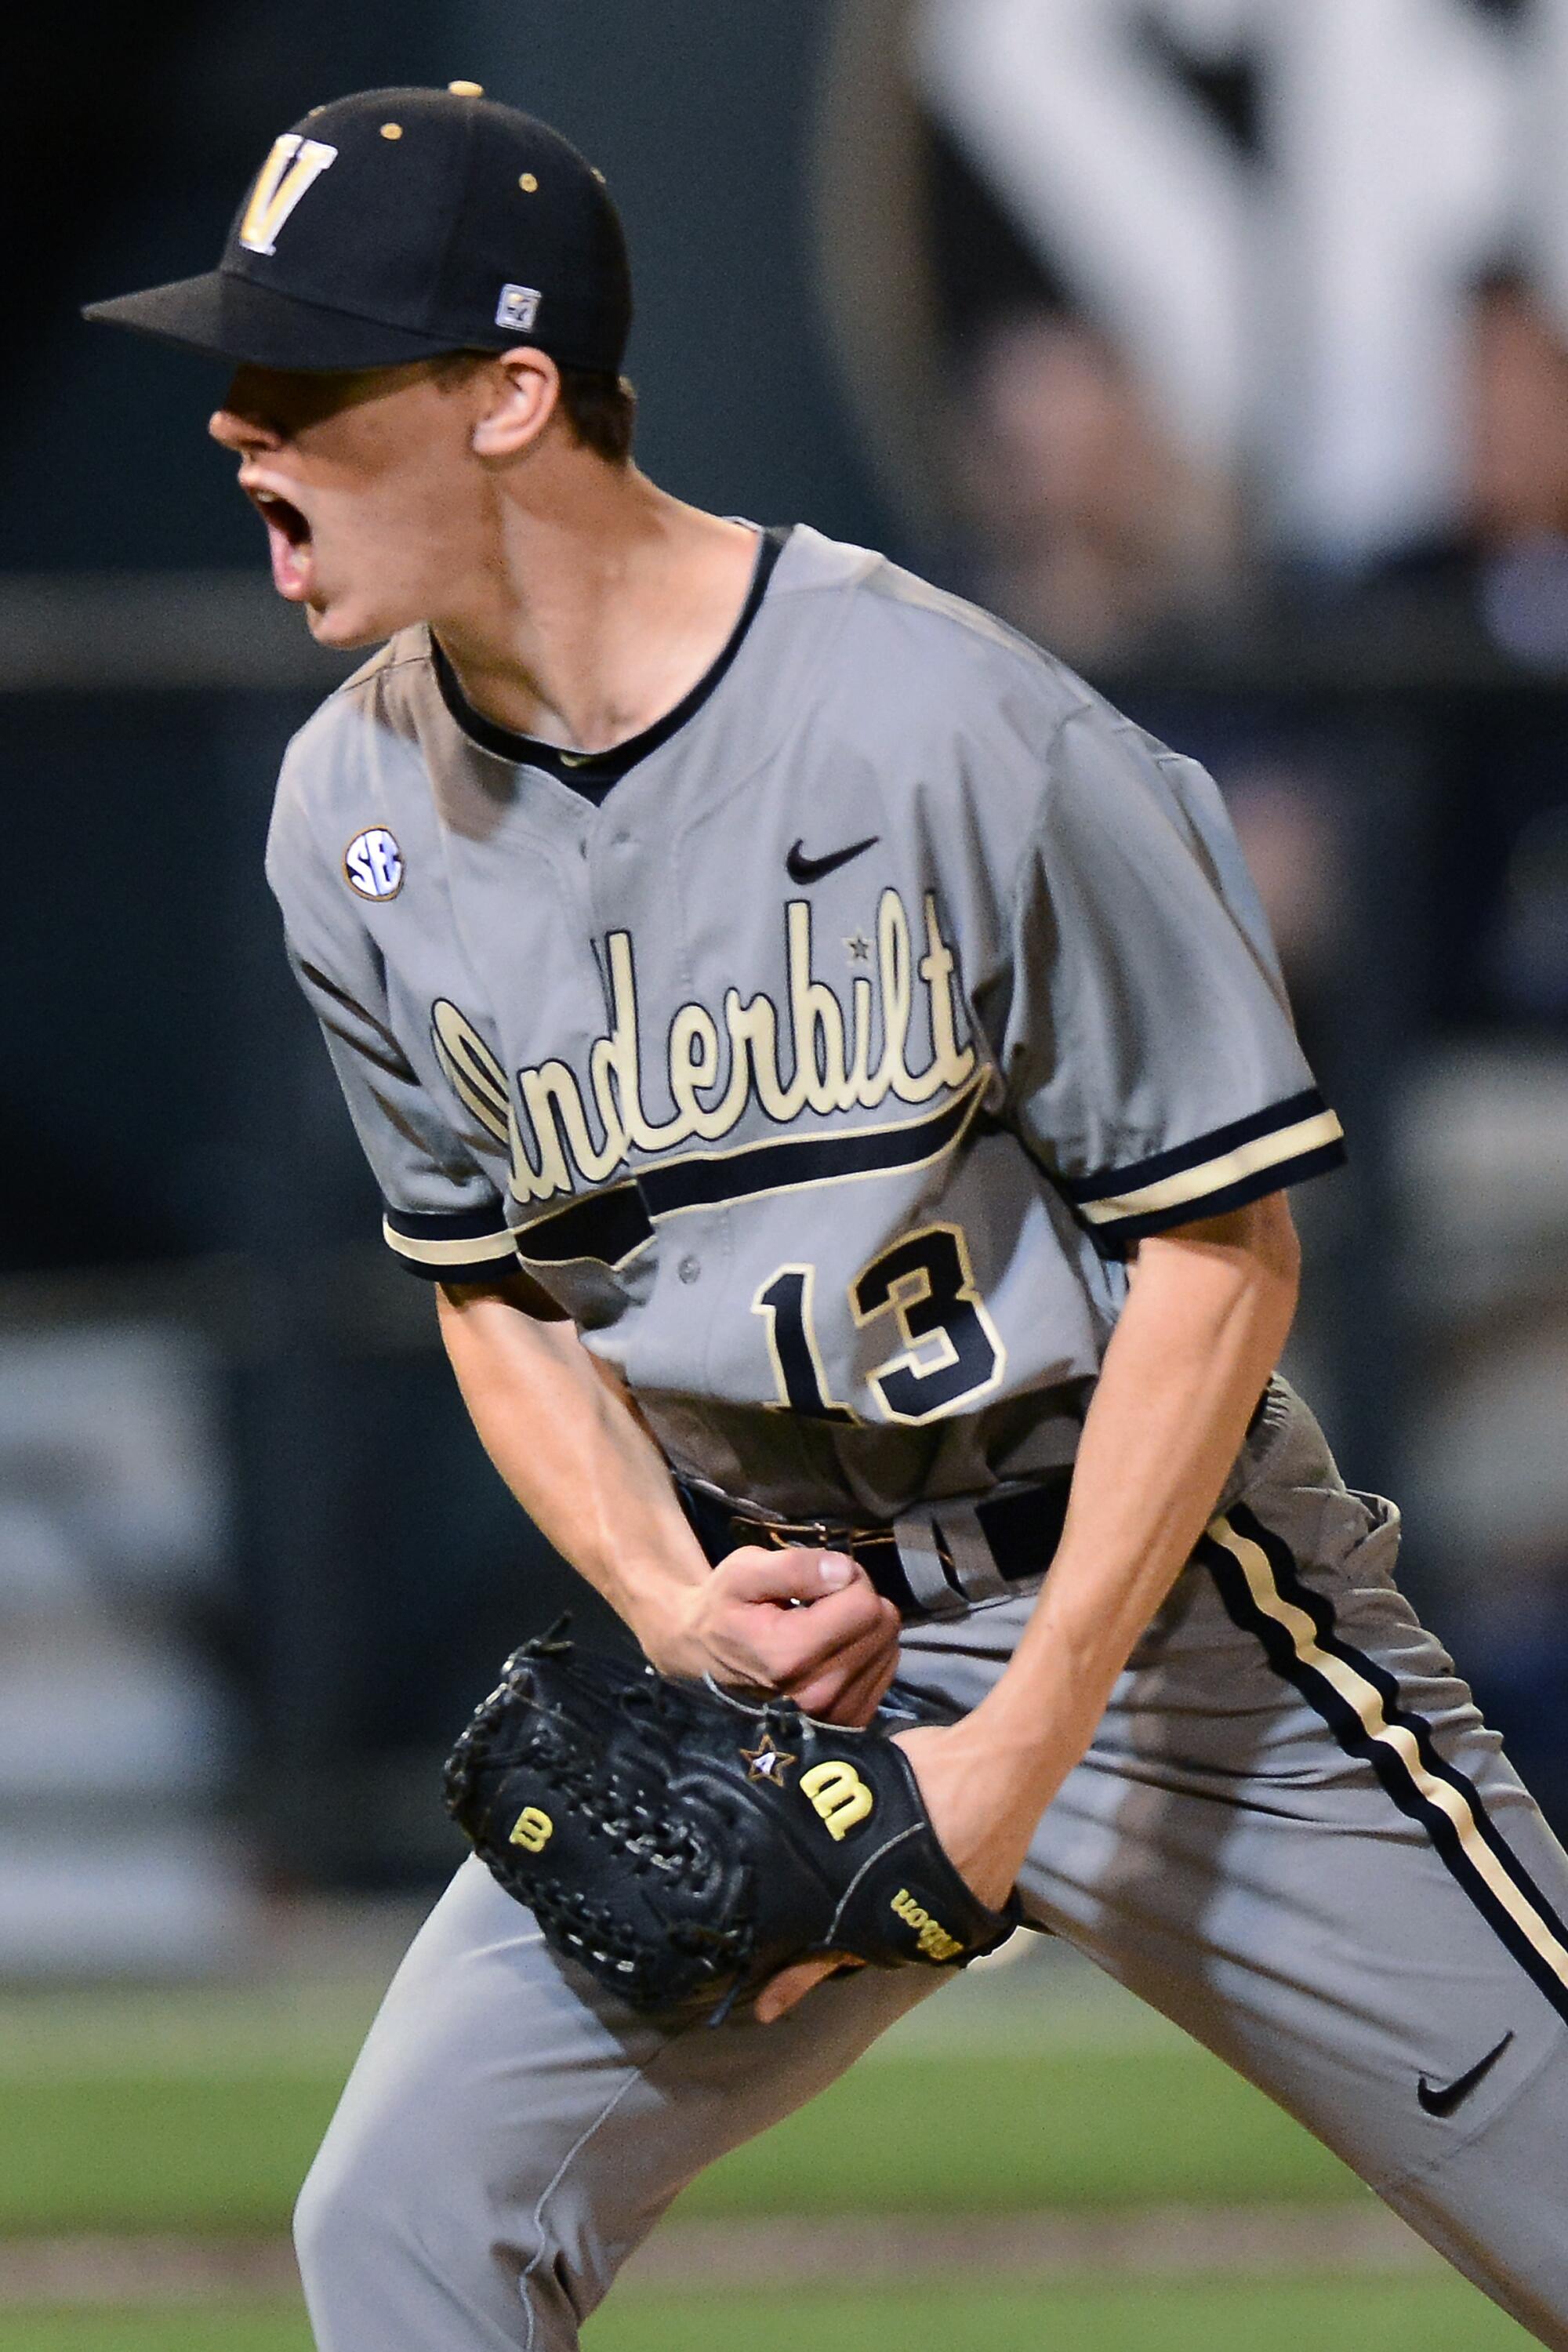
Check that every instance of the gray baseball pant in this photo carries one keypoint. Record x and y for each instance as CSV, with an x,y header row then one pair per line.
x,y
1292,1834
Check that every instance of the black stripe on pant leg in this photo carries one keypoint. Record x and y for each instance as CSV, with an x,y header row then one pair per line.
x,y
1352,1736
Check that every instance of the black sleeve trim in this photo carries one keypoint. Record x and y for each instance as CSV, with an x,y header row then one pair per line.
x,y
1256,1187
457,1245
1183,1156
1230,1166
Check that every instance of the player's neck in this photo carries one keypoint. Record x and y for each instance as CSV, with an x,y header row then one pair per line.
x,y
608,601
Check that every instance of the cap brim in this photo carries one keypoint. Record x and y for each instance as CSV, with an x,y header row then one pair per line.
x,y
230,318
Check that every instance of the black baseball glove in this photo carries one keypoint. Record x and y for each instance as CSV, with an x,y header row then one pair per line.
x,y
683,1844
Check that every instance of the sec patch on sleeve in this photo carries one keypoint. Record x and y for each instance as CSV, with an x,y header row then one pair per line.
x,y
373,863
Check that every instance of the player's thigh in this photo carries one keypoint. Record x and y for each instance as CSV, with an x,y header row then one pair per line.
x,y
502,2100
1295,1835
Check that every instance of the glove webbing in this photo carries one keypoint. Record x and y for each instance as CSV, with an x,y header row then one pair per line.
x,y
651,1841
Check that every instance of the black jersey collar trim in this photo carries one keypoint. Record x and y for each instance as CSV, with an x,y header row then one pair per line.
x,y
593,773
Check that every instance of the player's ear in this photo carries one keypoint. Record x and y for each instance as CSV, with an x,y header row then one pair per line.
x,y
521,389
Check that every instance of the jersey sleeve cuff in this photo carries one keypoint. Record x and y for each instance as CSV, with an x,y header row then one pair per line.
x,y
467,1245
1223,1169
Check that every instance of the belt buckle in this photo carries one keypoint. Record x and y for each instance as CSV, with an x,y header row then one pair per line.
x,y
787,1535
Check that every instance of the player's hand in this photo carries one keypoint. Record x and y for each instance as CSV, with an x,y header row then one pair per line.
x,y
805,1622
982,1825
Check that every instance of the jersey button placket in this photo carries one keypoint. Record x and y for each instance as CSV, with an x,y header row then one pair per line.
x,y
633,890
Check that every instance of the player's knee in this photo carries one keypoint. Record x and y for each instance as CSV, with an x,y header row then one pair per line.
x,y
379,2248
373,2199
348,2210
321,2214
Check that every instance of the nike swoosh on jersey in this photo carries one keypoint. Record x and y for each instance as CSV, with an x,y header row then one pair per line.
x,y
1441,2099
802,868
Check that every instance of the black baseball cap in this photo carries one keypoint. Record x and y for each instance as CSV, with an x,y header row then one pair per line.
x,y
400,224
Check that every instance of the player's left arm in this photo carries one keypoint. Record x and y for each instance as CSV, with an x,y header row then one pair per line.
x,y
1208,1314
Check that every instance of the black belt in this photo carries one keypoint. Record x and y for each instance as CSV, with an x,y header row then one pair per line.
x,y
939,1559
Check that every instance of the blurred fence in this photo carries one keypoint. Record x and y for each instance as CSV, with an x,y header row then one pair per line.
x,y
252,1563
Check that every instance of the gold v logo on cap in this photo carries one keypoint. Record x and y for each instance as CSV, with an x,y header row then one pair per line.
x,y
294,166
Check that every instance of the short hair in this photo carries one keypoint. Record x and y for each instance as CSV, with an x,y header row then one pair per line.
x,y
600,407
602,410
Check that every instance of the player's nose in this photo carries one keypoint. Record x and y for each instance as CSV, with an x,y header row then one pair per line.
x,y
244,435
239,423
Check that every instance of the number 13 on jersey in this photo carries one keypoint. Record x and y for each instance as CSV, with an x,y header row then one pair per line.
x,y
951,1353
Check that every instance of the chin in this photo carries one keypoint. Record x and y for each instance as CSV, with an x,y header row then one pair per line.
x,y
343,629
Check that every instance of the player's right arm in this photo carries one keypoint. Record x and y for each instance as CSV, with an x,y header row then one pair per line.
x,y
568,1441
559,1428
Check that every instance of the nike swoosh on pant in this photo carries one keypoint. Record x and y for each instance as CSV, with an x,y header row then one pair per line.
x,y
1441,2099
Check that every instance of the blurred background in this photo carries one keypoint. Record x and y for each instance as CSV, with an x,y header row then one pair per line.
x,y
1222,345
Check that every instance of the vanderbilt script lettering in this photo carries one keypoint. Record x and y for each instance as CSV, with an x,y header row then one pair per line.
x,y
807,1054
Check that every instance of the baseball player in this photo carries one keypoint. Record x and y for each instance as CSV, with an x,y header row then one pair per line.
x,y
834,1069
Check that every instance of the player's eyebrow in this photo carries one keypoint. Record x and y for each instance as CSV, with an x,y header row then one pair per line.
x,y
290,400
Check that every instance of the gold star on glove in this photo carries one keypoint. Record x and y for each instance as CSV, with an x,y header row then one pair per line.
x,y
767,1761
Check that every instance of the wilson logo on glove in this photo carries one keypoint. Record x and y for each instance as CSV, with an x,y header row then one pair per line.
x,y
930,1934
837,1792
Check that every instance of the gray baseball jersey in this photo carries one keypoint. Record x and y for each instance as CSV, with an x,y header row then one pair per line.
x,y
823,1069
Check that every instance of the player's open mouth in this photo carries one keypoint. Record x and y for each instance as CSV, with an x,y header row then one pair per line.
x,y
288,538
